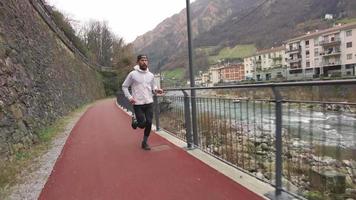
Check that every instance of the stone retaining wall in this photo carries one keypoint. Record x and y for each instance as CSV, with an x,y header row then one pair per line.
x,y
41,79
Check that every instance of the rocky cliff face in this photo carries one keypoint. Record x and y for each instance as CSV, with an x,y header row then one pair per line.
x,y
223,23
40,78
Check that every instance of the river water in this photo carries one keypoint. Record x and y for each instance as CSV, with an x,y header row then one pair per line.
x,y
299,121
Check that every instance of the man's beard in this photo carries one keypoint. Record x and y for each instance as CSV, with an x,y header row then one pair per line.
x,y
143,67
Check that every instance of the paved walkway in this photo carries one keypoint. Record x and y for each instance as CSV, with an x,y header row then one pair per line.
x,y
102,159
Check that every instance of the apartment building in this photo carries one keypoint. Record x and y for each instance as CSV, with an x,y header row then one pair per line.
x,y
209,78
202,79
232,72
249,68
326,53
215,75
220,74
157,80
266,64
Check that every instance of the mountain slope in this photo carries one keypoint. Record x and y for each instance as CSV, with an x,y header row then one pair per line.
x,y
221,23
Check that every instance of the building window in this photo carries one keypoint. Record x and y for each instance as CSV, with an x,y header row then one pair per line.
x,y
307,43
307,53
308,64
349,56
326,38
316,61
290,47
268,76
316,52
316,41
349,33
349,45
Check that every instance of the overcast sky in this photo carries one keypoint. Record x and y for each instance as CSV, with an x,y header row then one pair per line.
x,y
126,18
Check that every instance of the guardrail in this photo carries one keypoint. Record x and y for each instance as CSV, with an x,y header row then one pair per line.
x,y
301,147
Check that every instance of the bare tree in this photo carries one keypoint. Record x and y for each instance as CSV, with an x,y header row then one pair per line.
x,y
106,46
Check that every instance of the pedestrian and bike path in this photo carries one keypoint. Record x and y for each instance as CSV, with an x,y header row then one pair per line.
x,y
103,159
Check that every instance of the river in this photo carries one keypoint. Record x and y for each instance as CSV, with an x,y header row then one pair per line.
x,y
298,120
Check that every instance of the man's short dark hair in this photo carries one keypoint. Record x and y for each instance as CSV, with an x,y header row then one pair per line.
x,y
139,57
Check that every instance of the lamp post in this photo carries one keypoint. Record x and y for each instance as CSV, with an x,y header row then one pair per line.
x,y
191,74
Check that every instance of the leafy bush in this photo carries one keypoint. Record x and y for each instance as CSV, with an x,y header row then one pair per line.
x,y
64,24
110,82
314,195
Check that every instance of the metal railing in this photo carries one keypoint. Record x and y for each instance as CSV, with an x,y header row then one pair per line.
x,y
302,147
294,49
327,63
335,40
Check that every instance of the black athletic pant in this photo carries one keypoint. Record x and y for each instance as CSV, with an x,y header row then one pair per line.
x,y
144,115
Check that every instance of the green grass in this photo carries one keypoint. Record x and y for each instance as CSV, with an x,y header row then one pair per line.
x,y
22,159
346,20
173,78
237,52
208,50
176,74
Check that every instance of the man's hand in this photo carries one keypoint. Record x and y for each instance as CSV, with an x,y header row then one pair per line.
x,y
132,101
158,91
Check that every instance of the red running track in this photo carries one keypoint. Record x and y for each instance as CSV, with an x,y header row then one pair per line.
x,y
102,159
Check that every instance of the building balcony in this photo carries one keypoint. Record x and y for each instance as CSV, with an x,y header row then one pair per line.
x,y
327,63
295,67
277,59
295,60
294,50
332,53
334,41
277,65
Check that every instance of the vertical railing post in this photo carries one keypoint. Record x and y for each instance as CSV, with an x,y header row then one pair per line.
x,y
156,111
194,119
279,164
191,75
188,127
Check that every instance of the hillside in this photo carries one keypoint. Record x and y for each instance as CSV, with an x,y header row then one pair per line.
x,y
276,21
218,24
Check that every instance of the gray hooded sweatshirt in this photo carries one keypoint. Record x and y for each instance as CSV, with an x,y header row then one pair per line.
x,y
142,84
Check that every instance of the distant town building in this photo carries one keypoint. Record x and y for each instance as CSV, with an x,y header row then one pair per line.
x,y
249,68
219,74
233,72
329,16
266,64
215,75
157,79
325,53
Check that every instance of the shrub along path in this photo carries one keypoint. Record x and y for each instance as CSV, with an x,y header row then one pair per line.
x,y
102,159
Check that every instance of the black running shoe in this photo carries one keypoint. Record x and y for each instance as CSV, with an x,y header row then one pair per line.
x,y
145,146
134,123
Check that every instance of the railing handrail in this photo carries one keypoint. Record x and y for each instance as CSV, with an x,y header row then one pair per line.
x,y
261,85
255,131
